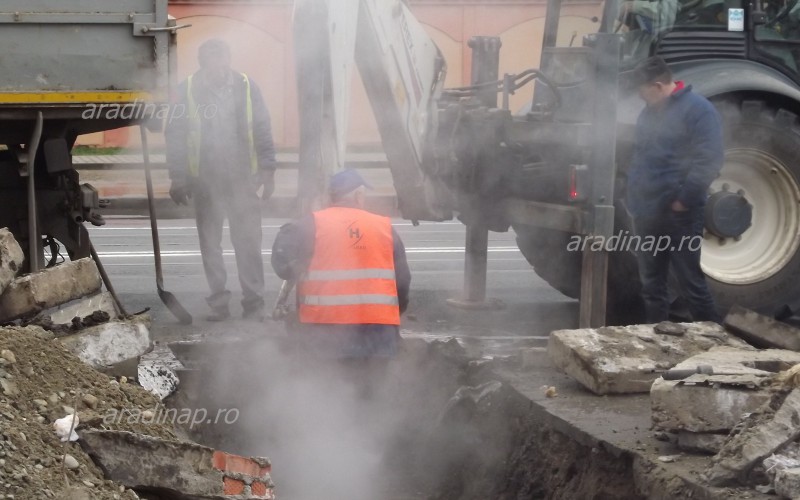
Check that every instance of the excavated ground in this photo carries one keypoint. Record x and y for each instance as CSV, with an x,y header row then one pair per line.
x,y
41,382
435,423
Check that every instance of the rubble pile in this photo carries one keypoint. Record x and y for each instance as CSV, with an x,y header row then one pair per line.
x,y
69,431
704,407
40,382
732,392
126,440
67,301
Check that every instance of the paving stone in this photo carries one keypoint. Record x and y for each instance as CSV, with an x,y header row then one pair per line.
x,y
33,293
619,360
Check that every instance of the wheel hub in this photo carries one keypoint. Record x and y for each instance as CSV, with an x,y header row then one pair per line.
x,y
728,215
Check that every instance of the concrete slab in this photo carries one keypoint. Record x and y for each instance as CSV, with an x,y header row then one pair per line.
x,y
762,331
704,406
717,402
105,345
83,307
11,258
762,434
33,293
181,470
620,360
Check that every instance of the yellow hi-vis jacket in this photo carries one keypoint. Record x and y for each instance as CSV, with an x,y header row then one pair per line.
x,y
195,138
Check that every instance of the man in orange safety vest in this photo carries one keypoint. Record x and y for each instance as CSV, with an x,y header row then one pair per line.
x,y
351,271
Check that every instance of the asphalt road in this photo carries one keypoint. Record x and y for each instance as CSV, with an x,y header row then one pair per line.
x,y
436,257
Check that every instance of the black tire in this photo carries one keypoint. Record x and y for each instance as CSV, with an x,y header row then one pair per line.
x,y
547,251
755,124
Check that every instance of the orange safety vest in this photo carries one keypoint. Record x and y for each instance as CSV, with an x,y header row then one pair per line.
x,y
351,278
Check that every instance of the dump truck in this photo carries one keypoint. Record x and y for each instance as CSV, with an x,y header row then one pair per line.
x,y
557,168
72,67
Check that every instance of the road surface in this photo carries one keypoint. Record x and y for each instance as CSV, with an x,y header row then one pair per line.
x,y
436,258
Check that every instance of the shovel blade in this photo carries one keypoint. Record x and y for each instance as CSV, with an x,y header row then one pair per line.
x,y
175,307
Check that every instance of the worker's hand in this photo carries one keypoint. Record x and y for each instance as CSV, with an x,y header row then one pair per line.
x,y
180,192
677,206
267,180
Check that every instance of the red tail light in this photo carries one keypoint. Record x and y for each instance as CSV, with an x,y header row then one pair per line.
x,y
578,182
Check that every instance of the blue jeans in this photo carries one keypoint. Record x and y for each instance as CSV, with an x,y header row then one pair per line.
x,y
676,237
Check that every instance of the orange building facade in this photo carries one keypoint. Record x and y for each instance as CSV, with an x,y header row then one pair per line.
x,y
260,35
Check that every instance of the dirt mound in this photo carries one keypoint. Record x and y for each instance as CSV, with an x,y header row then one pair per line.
x,y
41,382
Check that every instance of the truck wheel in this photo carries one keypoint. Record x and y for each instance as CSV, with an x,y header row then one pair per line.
x,y
760,267
547,251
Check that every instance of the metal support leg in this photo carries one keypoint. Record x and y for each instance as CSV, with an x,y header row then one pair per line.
x,y
594,282
36,257
476,257
594,276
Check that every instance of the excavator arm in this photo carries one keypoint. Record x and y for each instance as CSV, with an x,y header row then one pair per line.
x,y
403,73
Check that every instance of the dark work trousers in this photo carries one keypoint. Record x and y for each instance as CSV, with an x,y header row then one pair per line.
x,y
235,199
676,238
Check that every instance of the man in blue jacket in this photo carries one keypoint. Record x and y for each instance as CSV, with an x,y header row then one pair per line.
x,y
678,151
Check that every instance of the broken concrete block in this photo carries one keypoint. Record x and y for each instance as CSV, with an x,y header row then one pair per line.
x,y
57,285
157,372
717,402
787,483
627,359
11,258
181,470
762,435
111,343
706,407
762,331
701,442
83,307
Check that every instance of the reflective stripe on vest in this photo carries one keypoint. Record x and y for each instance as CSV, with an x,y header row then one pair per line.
x,y
351,277
350,300
195,135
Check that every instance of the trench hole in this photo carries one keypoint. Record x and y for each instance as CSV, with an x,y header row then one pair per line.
x,y
431,424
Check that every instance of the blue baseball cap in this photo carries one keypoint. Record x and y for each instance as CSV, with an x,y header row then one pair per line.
x,y
344,182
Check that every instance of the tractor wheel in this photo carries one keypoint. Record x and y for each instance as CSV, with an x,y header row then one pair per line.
x,y
756,266
547,250
759,268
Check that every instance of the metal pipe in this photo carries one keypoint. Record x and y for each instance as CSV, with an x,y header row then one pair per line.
x,y
34,240
506,90
552,17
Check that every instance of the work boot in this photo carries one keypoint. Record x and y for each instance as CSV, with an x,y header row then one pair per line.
x,y
256,314
219,314
218,303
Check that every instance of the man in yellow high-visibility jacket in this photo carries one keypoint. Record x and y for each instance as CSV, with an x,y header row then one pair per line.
x,y
220,153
